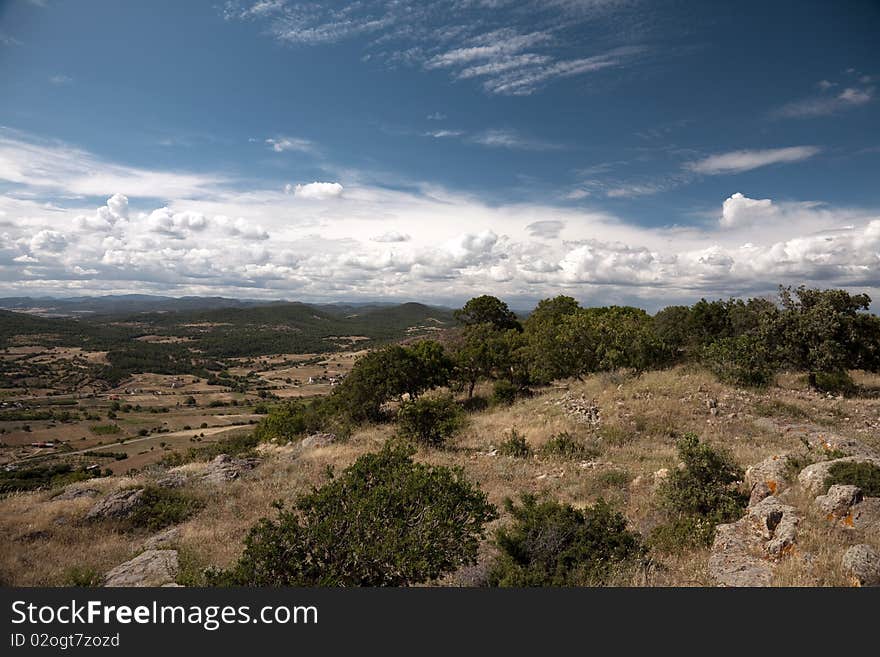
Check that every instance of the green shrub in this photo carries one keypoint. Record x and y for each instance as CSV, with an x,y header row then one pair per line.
x,y
162,507
618,436
743,360
385,521
864,475
835,382
81,576
42,476
104,429
702,494
565,446
515,445
504,393
234,445
429,421
613,478
554,544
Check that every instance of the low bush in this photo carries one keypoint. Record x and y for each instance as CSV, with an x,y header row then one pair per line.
x,y
565,446
235,445
698,496
429,421
554,544
105,429
385,521
864,475
81,576
42,476
835,382
743,360
162,507
504,393
515,445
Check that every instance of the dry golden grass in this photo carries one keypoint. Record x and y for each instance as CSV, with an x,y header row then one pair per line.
x,y
640,419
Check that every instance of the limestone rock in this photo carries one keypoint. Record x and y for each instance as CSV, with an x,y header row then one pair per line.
x,y
837,502
778,524
862,564
865,515
813,477
766,478
74,492
735,557
318,440
151,568
225,468
118,504
163,539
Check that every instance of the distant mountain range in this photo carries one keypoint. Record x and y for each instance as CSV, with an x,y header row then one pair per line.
x,y
128,304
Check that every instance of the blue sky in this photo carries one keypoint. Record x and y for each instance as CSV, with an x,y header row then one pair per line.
x,y
616,150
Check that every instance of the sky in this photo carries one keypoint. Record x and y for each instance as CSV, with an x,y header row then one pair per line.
x,y
645,152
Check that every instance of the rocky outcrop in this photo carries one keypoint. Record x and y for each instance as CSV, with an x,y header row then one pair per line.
x,y
119,504
838,501
778,524
318,440
225,468
736,556
581,409
150,568
75,492
163,539
865,516
769,477
862,564
812,478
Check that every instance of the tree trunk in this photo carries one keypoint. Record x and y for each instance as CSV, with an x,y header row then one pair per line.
x,y
812,381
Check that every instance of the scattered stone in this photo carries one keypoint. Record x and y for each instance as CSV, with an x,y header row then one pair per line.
x,y
581,409
74,492
318,440
862,564
151,568
163,539
660,476
836,503
118,504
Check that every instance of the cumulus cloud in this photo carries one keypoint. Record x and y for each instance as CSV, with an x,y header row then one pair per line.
x,y
392,236
545,229
423,242
738,210
746,160
315,191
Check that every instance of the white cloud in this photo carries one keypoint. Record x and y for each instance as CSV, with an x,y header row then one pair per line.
x,y
503,138
436,116
422,242
746,160
392,236
443,134
283,144
825,105
61,79
739,210
315,191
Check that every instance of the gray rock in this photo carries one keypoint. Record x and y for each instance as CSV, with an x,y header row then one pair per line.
x,y
74,492
836,503
318,440
119,504
735,558
163,539
778,524
862,564
225,468
173,479
865,516
813,477
151,568
768,477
